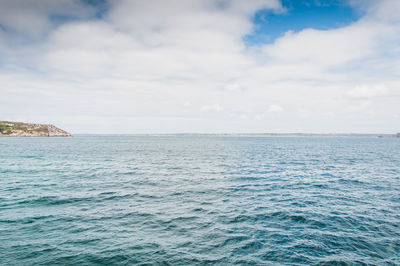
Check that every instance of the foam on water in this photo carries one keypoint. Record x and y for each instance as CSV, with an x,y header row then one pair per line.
x,y
199,200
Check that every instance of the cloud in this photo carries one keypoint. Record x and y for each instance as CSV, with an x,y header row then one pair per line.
x,y
379,10
175,60
368,92
233,87
212,108
273,108
325,48
34,18
359,106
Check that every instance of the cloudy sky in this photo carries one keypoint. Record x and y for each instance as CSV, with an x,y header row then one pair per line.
x,y
158,66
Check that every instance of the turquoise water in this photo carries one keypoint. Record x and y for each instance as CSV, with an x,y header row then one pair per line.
x,y
121,200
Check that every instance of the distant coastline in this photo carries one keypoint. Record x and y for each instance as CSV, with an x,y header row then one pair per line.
x,y
287,135
20,129
255,135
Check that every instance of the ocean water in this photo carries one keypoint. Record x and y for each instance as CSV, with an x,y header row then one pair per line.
x,y
134,200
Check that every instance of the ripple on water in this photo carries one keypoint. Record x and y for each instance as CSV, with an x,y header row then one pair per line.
x,y
199,200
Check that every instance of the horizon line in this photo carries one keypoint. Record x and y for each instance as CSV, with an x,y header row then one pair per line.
x,y
239,134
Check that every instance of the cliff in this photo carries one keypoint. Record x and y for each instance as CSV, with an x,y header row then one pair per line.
x,y
18,129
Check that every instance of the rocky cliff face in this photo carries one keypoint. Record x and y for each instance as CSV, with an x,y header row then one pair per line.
x,y
18,129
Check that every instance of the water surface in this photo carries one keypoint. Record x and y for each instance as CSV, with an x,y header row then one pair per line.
x,y
199,200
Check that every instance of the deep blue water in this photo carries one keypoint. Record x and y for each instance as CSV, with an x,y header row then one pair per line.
x,y
121,200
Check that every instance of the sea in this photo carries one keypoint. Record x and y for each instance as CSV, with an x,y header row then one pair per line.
x,y
199,200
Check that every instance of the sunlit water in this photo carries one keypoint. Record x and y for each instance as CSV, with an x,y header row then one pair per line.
x,y
199,200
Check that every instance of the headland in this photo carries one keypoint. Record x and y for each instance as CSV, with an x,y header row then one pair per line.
x,y
20,129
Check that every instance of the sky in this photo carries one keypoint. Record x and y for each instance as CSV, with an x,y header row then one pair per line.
x,y
202,66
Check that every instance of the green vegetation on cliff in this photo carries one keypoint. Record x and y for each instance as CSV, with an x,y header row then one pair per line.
x,y
18,129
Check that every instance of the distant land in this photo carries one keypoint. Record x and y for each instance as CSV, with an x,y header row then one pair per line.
x,y
263,135
19,129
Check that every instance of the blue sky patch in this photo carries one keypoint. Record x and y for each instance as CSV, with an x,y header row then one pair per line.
x,y
301,14
102,6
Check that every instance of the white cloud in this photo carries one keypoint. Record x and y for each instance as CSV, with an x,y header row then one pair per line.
x,y
174,61
359,106
273,108
325,48
368,92
212,108
234,87
34,18
379,10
